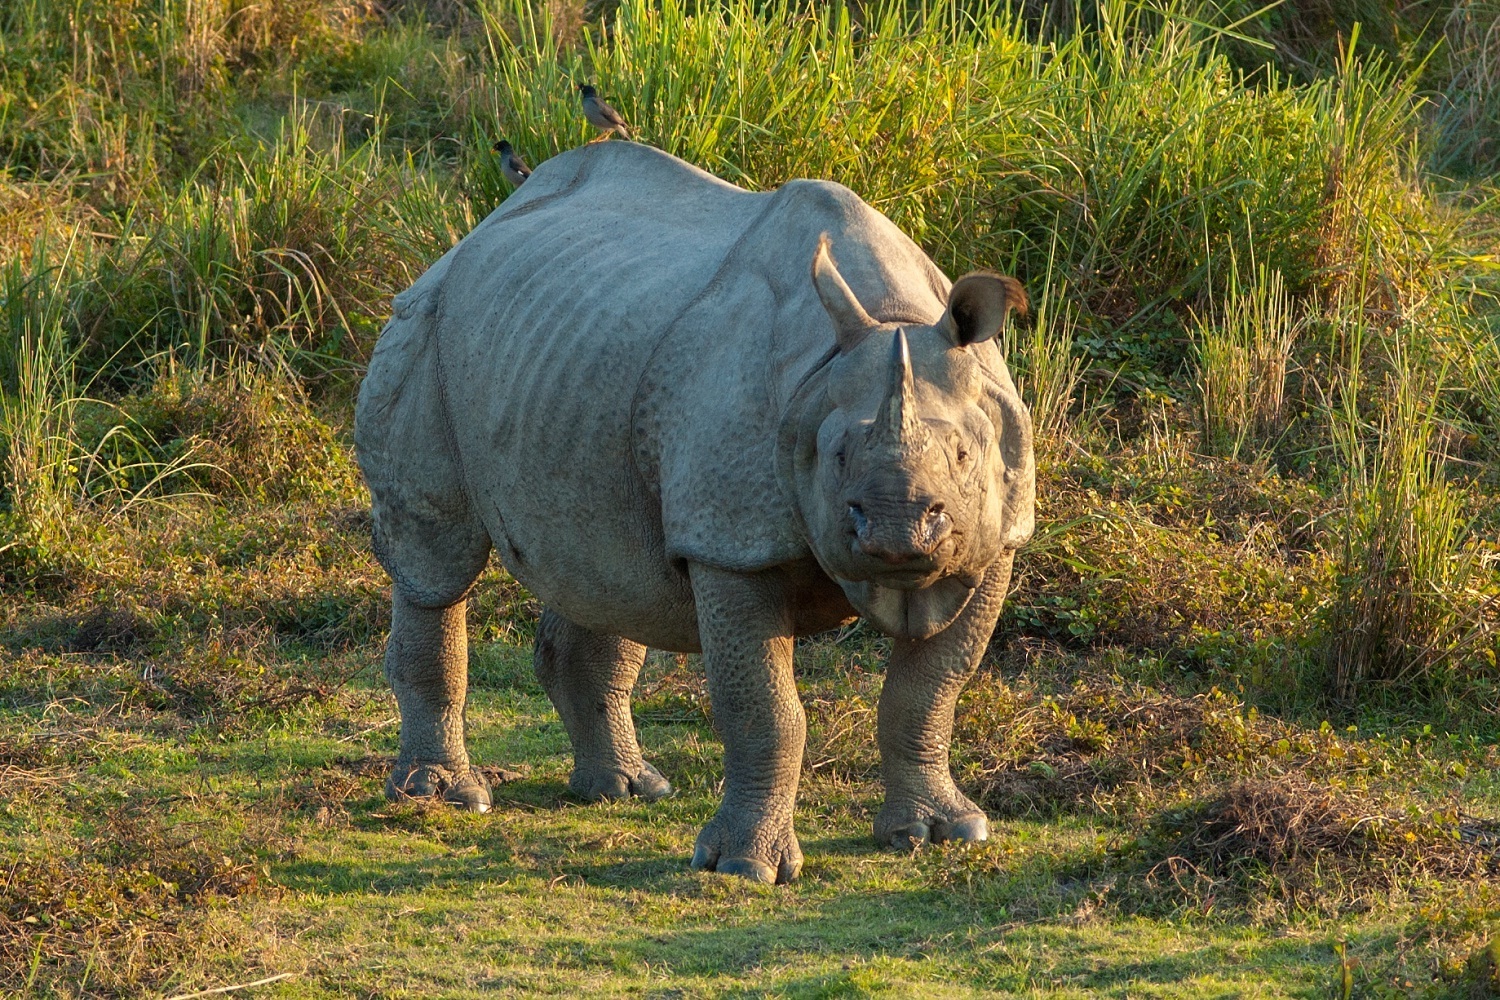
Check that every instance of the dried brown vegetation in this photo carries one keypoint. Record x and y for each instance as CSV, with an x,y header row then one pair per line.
x,y
1291,844
1123,749
113,900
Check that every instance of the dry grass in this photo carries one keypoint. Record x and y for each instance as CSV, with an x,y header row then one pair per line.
x,y
111,899
250,432
1298,845
1122,749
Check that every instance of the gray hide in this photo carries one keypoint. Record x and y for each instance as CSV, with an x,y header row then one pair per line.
x,y
683,424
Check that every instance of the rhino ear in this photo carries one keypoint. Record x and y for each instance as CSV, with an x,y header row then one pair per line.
x,y
977,305
850,321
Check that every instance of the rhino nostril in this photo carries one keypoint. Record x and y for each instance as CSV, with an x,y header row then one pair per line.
x,y
936,526
861,523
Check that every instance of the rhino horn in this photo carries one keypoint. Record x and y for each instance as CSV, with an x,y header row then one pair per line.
x,y
850,321
897,423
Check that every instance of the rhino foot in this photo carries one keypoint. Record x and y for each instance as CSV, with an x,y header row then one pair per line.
x,y
606,785
910,825
463,787
766,852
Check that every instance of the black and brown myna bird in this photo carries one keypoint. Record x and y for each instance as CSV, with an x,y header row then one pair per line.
x,y
511,165
601,115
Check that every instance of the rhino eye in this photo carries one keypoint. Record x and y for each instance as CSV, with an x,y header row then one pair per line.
x,y
963,453
841,458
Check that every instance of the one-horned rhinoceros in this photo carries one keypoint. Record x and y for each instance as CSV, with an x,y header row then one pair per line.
x,y
682,425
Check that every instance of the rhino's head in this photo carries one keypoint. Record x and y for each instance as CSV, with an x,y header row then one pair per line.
x,y
922,473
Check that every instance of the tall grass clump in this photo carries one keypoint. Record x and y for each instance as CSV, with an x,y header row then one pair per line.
x,y
38,389
762,94
1468,115
1047,371
288,248
1408,609
40,458
69,463
277,248
1242,360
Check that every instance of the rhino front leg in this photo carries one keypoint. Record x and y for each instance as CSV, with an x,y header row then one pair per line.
x,y
427,664
745,628
589,678
922,683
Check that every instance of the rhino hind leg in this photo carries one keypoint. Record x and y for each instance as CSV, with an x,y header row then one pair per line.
x,y
427,664
434,550
427,537
433,565
589,677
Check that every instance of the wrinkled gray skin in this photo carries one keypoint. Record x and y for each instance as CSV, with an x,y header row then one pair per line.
x,y
682,425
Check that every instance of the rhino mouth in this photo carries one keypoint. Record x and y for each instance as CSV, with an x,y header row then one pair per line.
x,y
910,612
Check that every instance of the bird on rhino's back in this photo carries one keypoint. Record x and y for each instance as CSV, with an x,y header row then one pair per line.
x,y
682,424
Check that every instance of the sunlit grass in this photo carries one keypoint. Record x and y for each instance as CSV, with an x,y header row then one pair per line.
x,y
1261,362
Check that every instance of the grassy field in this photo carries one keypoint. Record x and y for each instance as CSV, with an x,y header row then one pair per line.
x,y
1236,733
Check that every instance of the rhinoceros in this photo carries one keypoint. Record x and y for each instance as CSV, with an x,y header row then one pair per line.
x,y
682,425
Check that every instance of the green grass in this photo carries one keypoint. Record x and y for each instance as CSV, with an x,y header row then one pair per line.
x,y
1262,363
311,871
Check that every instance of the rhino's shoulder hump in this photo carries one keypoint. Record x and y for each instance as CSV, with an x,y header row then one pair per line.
x,y
826,199
892,276
611,178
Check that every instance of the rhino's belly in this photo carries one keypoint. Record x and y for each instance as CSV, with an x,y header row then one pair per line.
x,y
617,589
659,612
